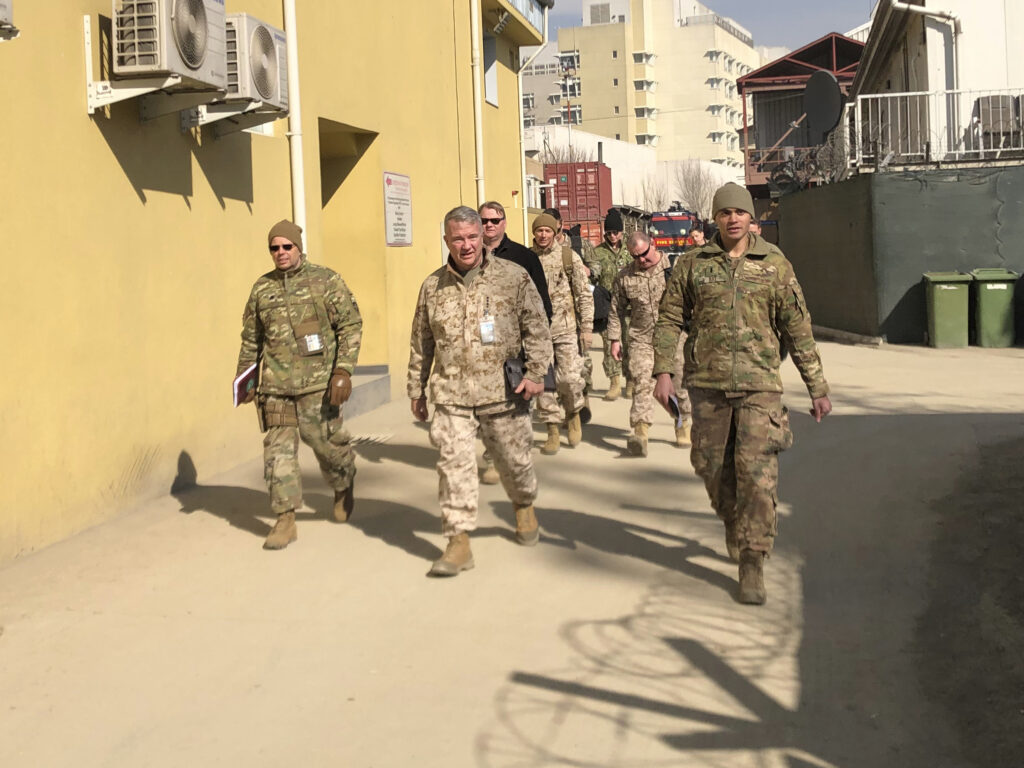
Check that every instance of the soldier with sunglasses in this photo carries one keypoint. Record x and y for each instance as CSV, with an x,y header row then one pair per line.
x,y
302,327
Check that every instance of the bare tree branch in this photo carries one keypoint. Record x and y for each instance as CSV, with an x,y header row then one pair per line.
x,y
696,185
656,196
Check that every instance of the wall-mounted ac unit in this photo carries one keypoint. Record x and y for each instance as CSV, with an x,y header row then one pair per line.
x,y
171,37
257,56
7,12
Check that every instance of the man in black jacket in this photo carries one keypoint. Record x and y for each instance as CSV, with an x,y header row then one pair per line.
x,y
496,241
492,213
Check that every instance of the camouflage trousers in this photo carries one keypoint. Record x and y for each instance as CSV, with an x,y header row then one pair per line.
x,y
312,418
553,407
641,368
612,367
588,372
682,395
737,438
508,438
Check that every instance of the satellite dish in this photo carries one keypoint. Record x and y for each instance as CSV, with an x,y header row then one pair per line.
x,y
823,103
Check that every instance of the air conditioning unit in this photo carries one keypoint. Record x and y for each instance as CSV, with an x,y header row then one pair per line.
x,y
257,57
7,12
171,37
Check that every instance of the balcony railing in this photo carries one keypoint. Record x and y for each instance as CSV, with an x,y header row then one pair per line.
x,y
938,127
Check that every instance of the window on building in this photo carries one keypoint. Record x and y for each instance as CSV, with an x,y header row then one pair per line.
x,y
555,120
491,70
527,101
575,114
529,121
615,54
615,82
601,13
618,136
616,109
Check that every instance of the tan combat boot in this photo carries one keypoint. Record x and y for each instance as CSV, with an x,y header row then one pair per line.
x,y
550,448
732,541
343,502
490,474
614,389
629,389
637,442
752,591
283,532
575,430
456,557
527,528
683,435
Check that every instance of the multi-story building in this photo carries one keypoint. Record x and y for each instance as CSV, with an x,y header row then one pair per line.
x,y
661,73
546,92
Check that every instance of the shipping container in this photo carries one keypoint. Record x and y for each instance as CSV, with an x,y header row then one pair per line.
x,y
589,230
580,191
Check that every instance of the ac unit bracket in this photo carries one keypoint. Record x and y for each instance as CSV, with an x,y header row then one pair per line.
x,y
229,116
103,93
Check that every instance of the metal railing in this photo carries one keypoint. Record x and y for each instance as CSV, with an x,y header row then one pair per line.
x,y
936,127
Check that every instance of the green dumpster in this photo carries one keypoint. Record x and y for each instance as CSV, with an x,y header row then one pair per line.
x,y
946,294
993,307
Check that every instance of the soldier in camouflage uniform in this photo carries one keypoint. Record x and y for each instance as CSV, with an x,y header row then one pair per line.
x,y
741,301
572,324
607,260
303,327
471,316
636,293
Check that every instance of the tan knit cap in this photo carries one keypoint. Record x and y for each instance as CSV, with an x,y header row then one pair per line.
x,y
288,230
732,196
546,220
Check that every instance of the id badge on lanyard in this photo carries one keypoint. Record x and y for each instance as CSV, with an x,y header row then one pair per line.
x,y
487,324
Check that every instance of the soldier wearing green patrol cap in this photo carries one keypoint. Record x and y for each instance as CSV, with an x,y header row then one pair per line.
x,y
740,301
302,327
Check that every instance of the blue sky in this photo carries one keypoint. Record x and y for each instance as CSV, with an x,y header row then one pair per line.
x,y
792,23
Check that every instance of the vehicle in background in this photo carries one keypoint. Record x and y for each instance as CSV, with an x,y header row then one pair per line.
x,y
672,230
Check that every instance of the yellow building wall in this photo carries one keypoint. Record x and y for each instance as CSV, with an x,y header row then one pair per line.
x,y
137,244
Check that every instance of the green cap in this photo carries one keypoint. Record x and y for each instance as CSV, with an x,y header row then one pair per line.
x,y
732,196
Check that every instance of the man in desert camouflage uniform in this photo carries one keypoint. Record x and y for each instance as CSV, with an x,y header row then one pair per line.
x,y
607,260
636,293
471,316
303,327
572,324
741,301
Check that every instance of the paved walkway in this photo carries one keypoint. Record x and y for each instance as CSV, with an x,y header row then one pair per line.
x,y
170,638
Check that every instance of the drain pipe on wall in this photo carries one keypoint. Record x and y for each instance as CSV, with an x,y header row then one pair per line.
x,y
478,98
950,18
522,135
295,120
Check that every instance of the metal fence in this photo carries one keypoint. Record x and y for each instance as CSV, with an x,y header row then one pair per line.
x,y
937,127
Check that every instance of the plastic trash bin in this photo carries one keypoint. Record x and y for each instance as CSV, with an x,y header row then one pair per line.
x,y
946,294
993,306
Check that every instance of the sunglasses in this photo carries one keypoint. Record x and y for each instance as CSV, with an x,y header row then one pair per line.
x,y
641,255
495,222
286,247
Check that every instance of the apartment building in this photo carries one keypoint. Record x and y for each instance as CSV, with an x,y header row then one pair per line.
x,y
660,73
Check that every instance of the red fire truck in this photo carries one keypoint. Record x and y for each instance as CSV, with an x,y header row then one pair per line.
x,y
671,230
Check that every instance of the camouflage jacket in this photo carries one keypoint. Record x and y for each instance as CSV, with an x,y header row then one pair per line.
x,y
737,320
636,294
570,296
447,352
607,263
285,306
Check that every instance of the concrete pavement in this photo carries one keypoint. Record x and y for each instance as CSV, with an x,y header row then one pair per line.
x,y
169,637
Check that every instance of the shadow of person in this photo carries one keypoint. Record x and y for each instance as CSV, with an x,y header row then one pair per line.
x,y
399,525
422,456
601,436
567,528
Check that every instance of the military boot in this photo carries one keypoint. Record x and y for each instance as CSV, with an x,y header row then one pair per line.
x,y
732,541
490,474
343,503
527,528
283,532
752,591
456,557
550,448
637,442
575,430
629,389
683,435
614,389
